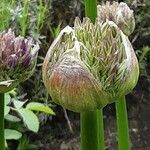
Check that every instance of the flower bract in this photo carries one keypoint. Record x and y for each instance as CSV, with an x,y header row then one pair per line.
x,y
90,65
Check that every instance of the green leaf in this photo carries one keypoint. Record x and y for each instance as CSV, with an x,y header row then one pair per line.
x,y
7,101
12,134
6,145
12,118
6,110
30,119
13,92
7,98
18,104
39,107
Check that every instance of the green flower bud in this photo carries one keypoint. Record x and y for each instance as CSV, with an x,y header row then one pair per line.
x,y
17,60
119,13
89,66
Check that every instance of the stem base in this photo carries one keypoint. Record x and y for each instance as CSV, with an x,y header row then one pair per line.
x,y
2,139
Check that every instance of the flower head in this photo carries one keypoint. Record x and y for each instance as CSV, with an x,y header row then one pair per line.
x,y
90,65
119,13
17,59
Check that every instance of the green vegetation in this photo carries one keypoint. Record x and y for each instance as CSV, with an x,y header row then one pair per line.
x,y
22,109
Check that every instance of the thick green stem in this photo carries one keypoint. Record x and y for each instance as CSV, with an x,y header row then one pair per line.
x,y
122,125
101,129
91,9
2,140
92,130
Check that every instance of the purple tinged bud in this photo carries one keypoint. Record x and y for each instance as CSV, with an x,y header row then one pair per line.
x,y
10,48
9,36
16,54
20,53
12,61
28,44
18,43
23,47
4,55
26,61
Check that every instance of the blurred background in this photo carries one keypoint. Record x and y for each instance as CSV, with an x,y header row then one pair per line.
x,y
42,20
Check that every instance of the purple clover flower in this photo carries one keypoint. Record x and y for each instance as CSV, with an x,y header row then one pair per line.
x,y
17,59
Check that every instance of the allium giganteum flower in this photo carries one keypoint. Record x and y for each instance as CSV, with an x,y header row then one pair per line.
x,y
90,65
119,13
17,60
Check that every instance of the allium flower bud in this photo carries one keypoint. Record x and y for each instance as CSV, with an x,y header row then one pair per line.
x,y
17,60
89,66
119,13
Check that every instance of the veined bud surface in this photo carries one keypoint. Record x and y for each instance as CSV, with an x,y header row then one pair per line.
x,y
17,59
89,66
119,13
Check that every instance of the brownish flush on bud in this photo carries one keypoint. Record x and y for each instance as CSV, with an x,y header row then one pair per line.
x,y
17,59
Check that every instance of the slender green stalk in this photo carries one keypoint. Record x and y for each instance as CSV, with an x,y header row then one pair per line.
x,y
91,9
2,140
100,129
24,17
92,130
122,125
40,14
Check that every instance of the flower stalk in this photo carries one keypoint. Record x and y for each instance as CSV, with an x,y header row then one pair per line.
x,y
2,139
89,130
91,122
122,125
91,9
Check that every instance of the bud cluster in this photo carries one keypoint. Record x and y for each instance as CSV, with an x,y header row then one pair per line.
x,y
119,13
17,59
